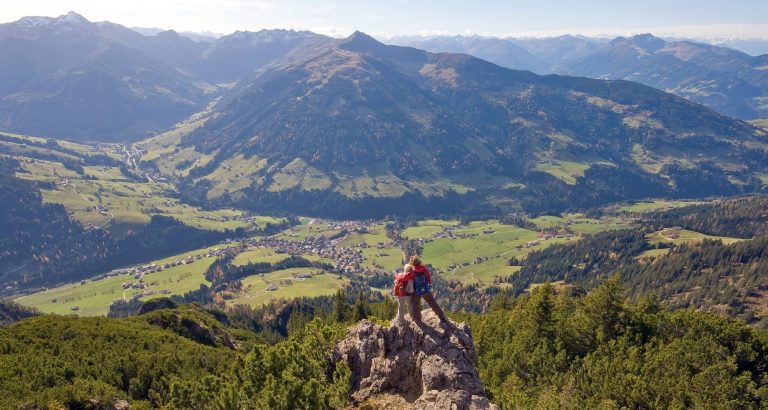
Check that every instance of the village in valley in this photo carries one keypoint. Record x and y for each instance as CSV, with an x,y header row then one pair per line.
x,y
119,192
478,252
122,195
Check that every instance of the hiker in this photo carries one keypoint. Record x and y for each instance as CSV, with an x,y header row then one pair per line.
x,y
421,289
403,290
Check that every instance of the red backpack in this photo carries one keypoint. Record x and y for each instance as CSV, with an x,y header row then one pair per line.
x,y
401,285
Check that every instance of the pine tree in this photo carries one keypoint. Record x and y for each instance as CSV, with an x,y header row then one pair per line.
x,y
340,307
604,307
361,307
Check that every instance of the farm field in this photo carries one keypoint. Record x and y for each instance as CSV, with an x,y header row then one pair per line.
x,y
269,255
567,171
474,253
105,196
93,298
376,234
311,229
655,205
499,242
255,291
683,236
653,253
388,258
578,223
425,229
483,273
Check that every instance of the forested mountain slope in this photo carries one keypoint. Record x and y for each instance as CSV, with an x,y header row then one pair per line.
x,y
354,126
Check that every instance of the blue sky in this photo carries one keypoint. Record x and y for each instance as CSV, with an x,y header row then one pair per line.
x,y
700,18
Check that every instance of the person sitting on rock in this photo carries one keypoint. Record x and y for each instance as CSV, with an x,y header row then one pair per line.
x,y
403,290
422,282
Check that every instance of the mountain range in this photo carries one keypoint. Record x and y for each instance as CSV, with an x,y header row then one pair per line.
x,y
67,77
292,121
729,81
356,126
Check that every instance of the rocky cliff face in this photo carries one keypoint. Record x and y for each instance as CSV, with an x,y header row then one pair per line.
x,y
413,367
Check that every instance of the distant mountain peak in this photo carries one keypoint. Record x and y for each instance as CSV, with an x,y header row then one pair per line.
x,y
361,42
72,18
647,41
33,21
265,36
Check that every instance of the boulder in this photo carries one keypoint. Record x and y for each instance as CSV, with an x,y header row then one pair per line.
x,y
410,366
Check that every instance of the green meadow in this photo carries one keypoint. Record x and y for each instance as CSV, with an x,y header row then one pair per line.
x,y
483,273
655,205
685,236
255,287
127,201
425,229
500,243
93,298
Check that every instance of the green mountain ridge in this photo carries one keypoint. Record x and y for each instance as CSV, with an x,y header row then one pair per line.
x,y
359,122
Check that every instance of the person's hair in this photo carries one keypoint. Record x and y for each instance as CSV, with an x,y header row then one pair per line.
x,y
415,261
407,267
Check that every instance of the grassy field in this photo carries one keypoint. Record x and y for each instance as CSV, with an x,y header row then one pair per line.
x,y
388,259
655,205
494,244
165,152
548,221
376,234
477,253
235,174
483,273
299,174
313,228
255,291
685,236
653,253
127,202
94,297
567,171
444,252
425,229
579,224
258,255
269,255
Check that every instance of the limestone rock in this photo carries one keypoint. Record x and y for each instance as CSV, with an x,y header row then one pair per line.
x,y
413,367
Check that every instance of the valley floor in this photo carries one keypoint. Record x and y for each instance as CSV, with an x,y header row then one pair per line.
x,y
482,253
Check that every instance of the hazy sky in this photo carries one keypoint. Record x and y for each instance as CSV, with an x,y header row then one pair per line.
x,y
690,18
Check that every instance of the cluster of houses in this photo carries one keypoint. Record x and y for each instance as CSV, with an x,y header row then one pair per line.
x,y
138,272
350,226
101,209
449,232
347,258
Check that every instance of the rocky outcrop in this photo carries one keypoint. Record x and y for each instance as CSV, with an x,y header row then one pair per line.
x,y
13,312
408,366
194,324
